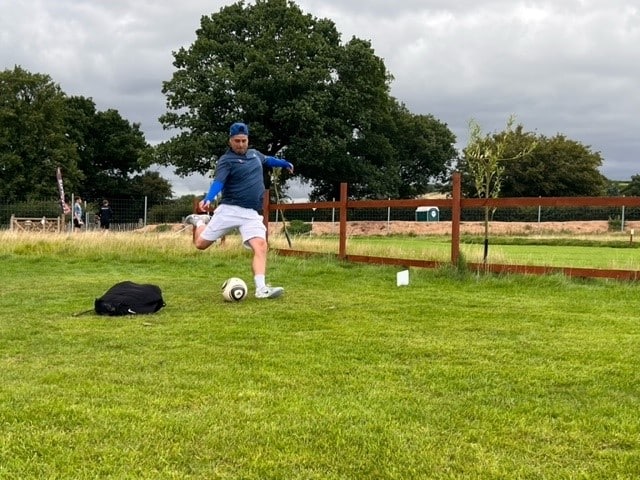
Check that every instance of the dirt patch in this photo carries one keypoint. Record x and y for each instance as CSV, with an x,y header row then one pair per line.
x,y
471,228
595,227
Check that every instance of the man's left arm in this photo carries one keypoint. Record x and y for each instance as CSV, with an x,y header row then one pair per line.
x,y
278,162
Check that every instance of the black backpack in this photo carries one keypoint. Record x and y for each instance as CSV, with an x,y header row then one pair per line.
x,y
129,298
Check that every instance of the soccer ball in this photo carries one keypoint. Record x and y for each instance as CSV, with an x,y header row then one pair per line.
x,y
234,289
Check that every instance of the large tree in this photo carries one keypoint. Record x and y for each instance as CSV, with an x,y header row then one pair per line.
x,y
632,189
33,137
557,167
425,150
100,153
113,152
303,93
151,185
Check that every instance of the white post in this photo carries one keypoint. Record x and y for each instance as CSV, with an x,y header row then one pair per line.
x,y
333,213
73,203
539,212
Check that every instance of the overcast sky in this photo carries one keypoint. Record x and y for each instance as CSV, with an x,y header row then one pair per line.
x,y
562,66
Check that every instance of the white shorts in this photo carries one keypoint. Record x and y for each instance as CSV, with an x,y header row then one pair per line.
x,y
227,217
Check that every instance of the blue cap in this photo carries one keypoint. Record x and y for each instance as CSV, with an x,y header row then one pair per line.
x,y
238,129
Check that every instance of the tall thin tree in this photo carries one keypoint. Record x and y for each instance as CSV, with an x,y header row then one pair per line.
x,y
485,158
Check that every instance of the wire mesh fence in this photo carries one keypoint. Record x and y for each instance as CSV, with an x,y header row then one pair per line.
x,y
128,214
454,214
134,213
617,217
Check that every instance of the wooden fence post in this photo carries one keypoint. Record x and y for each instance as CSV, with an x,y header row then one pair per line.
x,y
266,206
455,217
343,221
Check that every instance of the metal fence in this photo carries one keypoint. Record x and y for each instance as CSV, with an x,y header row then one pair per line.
x,y
132,214
515,214
128,214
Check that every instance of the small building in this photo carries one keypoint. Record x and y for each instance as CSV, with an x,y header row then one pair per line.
x,y
427,214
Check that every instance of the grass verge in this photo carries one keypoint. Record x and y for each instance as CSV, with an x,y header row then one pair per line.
x,y
346,376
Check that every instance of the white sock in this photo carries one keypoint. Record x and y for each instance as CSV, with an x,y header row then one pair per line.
x,y
259,281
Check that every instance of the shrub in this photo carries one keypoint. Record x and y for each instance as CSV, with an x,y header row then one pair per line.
x,y
298,227
615,224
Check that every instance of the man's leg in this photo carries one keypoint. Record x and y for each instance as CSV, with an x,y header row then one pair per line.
x,y
259,262
199,223
198,241
259,266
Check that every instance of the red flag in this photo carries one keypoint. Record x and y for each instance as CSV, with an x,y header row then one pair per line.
x,y
63,205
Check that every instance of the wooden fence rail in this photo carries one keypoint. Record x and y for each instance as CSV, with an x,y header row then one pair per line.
x,y
457,204
35,224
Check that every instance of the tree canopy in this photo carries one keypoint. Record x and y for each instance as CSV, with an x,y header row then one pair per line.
x,y
323,104
113,153
632,189
41,128
556,167
33,140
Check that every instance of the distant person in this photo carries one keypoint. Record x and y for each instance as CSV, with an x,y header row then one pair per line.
x,y
78,222
105,214
239,176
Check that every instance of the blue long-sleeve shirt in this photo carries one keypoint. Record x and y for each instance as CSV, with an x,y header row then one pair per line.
x,y
240,178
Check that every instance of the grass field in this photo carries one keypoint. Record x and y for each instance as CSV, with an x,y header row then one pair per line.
x,y
455,376
556,251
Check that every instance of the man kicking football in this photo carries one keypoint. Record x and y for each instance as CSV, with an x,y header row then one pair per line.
x,y
238,176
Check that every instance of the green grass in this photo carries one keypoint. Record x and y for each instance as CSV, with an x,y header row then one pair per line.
x,y
567,251
345,377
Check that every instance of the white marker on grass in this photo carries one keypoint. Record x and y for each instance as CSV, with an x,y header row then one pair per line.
x,y
402,278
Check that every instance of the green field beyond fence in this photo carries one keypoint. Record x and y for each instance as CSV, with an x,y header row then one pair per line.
x,y
347,376
561,250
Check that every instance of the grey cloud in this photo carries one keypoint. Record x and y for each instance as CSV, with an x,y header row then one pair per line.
x,y
569,67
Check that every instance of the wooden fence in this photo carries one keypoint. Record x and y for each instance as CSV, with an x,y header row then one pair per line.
x,y
457,204
36,224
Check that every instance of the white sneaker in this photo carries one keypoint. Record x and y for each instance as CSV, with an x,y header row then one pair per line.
x,y
193,219
269,292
